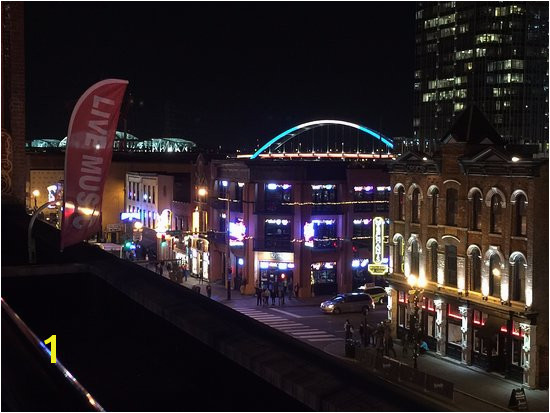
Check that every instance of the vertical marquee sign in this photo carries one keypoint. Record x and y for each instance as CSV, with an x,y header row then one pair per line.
x,y
377,267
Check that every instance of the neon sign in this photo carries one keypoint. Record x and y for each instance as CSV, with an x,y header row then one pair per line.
x,y
237,232
378,267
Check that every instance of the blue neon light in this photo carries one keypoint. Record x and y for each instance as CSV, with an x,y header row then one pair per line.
x,y
371,132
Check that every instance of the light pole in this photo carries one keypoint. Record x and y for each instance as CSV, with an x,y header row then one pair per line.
x,y
36,194
417,287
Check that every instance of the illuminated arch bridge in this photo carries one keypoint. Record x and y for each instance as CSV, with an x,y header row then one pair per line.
x,y
326,139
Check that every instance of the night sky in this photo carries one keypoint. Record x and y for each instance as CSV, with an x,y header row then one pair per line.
x,y
223,73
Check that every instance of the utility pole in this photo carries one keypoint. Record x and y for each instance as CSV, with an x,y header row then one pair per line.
x,y
227,249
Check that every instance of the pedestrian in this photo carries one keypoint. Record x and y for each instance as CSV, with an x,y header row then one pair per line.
x,y
348,329
290,290
258,296
368,335
362,333
266,296
296,290
161,268
389,345
423,347
185,272
208,290
405,344
273,295
281,296
379,340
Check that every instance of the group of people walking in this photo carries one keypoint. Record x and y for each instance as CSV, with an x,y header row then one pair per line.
x,y
378,336
274,292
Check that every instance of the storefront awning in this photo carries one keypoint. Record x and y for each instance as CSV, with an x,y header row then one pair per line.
x,y
491,327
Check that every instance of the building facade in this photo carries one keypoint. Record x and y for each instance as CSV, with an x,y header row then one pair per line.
x,y
491,54
471,222
299,222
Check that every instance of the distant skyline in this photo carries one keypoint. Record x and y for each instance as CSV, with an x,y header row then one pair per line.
x,y
229,74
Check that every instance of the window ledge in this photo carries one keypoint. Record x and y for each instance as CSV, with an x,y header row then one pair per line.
x,y
521,238
475,231
495,234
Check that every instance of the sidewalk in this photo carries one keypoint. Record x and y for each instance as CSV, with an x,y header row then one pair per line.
x,y
474,389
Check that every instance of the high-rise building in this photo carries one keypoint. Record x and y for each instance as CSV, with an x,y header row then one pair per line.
x,y
491,54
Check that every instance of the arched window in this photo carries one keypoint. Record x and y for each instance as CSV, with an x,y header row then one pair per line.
x,y
452,206
450,265
475,204
496,215
415,206
432,264
415,258
520,216
401,204
435,199
494,275
517,278
399,251
475,269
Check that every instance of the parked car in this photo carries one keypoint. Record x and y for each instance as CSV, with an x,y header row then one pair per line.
x,y
348,303
378,294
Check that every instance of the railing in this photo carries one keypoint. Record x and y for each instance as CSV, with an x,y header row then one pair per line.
x,y
271,244
75,395
326,210
274,208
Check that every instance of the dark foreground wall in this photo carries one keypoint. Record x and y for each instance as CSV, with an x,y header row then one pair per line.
x,y
310,376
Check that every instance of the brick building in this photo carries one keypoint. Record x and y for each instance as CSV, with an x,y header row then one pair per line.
x,y
309,222
471,222
14,163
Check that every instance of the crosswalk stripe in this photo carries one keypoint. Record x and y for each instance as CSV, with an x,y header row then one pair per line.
x,y
287,313
297,333
324,339
316,336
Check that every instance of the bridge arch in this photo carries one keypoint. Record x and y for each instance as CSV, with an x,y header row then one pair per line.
x,y
296,130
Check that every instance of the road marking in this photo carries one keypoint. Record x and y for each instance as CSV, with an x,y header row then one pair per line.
x,y
289,329
283,324
297,333
287,313
316,337
265,317
325,339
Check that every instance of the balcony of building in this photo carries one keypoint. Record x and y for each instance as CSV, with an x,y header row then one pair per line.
x,y
273,244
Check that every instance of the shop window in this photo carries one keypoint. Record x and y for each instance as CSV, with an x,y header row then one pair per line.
x,y
494,276
496,215
323,278
454,334
517,279
475,270
415,205
401,316
435,199
476,204
520,216
450,265
129,190
362,228
452,206
401,204
153,195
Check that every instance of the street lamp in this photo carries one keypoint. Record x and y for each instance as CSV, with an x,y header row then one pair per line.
x,y
417,287
36,194
202,192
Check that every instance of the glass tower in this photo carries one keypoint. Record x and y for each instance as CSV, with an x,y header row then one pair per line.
x,y
490,54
